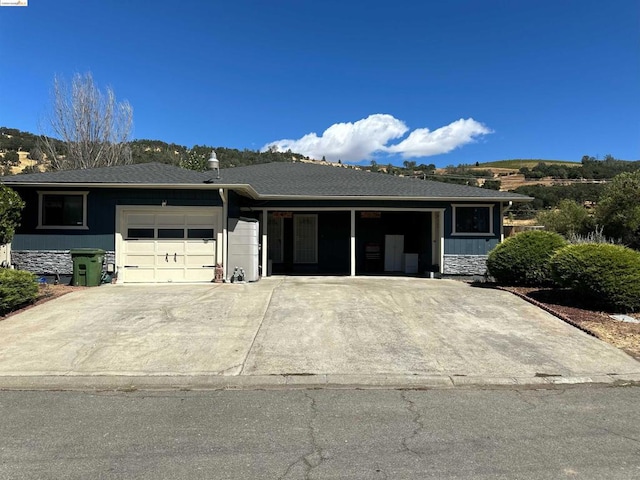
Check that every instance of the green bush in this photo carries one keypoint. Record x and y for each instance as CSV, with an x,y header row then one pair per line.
x,y
568,218
603,274
524,258
17,288
10,207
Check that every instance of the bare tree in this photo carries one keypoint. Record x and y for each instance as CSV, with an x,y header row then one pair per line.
x,y
93,128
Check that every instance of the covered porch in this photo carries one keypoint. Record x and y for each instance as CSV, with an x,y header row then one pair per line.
x,y
351,241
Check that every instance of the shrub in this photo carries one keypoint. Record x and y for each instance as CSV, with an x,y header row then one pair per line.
x,y
603,274
524,258
17,288
619,208
596,236
568,218
10,207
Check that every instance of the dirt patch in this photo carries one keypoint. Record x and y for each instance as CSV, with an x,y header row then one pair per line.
x,y
566,306
45,293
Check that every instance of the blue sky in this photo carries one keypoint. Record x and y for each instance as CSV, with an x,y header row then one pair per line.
x,y
442,82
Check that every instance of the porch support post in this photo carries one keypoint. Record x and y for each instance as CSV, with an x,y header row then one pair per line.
x,y
225,224
352,246
441,228
265,243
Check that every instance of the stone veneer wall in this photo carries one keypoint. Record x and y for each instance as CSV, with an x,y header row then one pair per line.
x,y
49,262
465,264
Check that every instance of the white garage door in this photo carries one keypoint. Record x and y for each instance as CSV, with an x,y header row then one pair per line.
x,y
169,245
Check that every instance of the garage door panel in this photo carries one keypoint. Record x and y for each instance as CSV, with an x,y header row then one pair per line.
x,y
182,248
171,247
139,275
171,275
199,261
200,274
199,220
200,247
170,220
137,246
141,219
141,261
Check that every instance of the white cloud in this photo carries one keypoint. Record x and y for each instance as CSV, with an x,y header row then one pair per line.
x,y
359,140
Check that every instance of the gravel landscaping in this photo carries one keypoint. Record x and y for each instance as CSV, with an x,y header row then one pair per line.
x,y
565,306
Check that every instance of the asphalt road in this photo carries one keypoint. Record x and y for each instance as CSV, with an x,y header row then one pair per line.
x,y
581,432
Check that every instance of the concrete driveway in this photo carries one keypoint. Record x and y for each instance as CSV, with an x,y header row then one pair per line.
x,y
301,326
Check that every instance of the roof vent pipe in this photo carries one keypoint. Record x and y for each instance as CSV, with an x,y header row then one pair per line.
x,y
214,163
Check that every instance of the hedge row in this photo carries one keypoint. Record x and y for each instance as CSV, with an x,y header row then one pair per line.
x,y
524,258
602,274
17,288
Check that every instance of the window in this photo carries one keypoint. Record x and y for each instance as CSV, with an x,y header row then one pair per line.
x,y
204,233
63,210
140,233
171,233
472,220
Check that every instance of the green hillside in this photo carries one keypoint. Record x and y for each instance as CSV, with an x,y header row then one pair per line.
x,y
518,163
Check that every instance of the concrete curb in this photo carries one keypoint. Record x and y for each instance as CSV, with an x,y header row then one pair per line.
x,y
289,382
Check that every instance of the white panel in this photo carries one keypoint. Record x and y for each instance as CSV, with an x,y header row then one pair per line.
x,y
138,275
141,260
160,260
200,247
169,219
200,220
393,249
170,275
200,275
139,246
141,219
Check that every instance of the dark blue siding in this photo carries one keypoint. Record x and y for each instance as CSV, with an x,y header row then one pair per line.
x,y
469,246
33,241
101,215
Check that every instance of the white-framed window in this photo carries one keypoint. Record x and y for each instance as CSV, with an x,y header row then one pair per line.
x,y
305,238
62,210
472,219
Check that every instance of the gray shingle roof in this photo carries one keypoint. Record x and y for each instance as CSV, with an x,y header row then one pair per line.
x,y
313,180
271,180
139,173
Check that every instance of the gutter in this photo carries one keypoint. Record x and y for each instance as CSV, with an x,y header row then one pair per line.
x,y
255,195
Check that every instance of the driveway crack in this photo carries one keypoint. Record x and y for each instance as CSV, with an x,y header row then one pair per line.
x,y
264,314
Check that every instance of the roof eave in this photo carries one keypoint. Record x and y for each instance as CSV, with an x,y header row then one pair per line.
x,y
393,197
182,186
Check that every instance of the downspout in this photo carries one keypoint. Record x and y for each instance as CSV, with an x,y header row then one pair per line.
x,y
225,213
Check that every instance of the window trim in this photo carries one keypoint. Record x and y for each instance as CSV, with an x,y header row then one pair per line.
x,y
42,193
454,232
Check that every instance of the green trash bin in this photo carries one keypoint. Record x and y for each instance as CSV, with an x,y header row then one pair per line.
x,y
87,266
